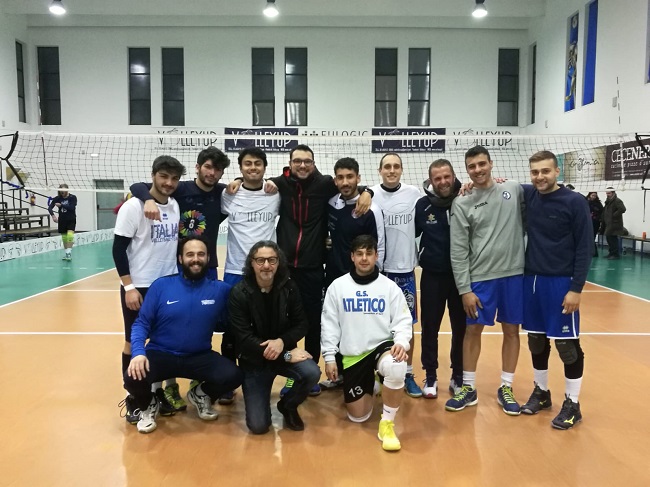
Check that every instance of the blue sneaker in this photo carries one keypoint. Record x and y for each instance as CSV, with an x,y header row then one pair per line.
x,y
506,399
288,385
467,396
410,386
315,391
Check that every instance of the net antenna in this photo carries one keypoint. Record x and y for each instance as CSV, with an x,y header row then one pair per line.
x,y
644,148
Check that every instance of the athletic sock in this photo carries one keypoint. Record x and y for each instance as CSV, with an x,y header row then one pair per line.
x,y
389,413
199,391
409,369
469,378
541,378
507,378
68,252
572,388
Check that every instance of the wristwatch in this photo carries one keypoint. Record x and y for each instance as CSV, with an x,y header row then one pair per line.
x,y
287,356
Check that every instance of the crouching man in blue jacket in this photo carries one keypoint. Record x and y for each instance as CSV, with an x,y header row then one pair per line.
x,y
178,316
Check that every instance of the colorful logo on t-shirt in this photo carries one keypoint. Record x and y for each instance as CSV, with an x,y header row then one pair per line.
x,y
192,223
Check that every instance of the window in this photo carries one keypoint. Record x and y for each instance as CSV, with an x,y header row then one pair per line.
x,y
173,85
385,87
508,90
20,75
419,87
589,78
139,86
49,85
533,79
295,86
263,71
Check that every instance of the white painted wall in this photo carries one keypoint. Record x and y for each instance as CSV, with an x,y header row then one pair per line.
x,y
12,28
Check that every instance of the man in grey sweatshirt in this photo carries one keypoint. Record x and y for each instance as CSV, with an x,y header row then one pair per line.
x,y
487,257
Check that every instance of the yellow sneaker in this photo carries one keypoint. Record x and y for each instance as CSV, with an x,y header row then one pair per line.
x,y
387,435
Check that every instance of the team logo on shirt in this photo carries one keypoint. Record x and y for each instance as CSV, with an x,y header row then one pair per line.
x,y
206,302
192,223
506,195
431,219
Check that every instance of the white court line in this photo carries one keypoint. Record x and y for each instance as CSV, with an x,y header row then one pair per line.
x,y
94,290
54,289
108,333
620,292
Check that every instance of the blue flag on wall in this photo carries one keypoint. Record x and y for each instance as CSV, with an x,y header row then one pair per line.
x,y
571,68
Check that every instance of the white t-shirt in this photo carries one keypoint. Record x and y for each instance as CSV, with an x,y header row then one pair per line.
x,y
398,208
251,218
153,247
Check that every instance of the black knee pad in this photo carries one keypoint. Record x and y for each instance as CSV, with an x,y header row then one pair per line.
x,y
569,350
537,343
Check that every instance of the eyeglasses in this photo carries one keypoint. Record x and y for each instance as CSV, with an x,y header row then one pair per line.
x,y
260,260
306,162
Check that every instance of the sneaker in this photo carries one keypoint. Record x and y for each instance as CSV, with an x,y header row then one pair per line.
x,y
467,396
455,386
410,387
315,391
173,396
569,415
227,399
537,401
430,389
387,435
331,384
285,390
67,258
506,399
164,406
147,420
203,405
128,410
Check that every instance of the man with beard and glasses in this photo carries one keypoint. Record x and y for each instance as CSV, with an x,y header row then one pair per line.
x,y
178,317
143,251
437,285
200,214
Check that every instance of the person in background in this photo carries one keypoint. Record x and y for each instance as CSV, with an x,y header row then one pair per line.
x,y
66,218
612,222
596,210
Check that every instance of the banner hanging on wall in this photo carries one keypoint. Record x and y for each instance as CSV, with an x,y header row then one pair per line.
x,y
430,144
268,145
628,159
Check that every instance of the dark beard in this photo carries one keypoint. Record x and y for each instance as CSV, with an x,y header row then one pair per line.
x,y
194,276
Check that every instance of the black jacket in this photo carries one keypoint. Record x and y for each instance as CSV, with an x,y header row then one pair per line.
x,y
432,222
249,327
302,228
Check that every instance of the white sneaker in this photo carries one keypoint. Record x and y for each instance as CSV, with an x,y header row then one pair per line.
x,y
454,388
147,421
203,405
331,384
430,389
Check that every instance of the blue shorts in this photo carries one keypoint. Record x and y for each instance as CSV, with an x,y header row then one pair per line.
x,y
406,282
543,296
232,279
501,298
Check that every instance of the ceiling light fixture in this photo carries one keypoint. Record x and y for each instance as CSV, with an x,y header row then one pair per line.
x,y
479,11
271,10
57,8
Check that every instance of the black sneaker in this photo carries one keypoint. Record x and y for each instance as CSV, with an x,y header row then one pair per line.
x,y
537,401
569,416
128,410
164,406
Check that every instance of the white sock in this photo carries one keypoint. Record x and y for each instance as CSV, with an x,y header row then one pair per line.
x,y
199,391
572,388
409,369
541,378
507,378
68,252
389,413
469,378
155,386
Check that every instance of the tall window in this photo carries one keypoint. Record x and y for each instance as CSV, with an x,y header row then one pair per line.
x,y
139,86
589,78
385,87
49,85
419,87
173,84
263,96
20,75
533,80
295,85
508,91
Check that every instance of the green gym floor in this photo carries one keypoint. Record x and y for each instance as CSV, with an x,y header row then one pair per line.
x,y
32,275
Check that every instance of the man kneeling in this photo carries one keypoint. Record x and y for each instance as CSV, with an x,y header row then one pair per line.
x,y
179,315
267,321
366,317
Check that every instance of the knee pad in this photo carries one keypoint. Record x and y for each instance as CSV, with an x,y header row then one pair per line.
x,y
537,343
362,419
568,350
393,372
